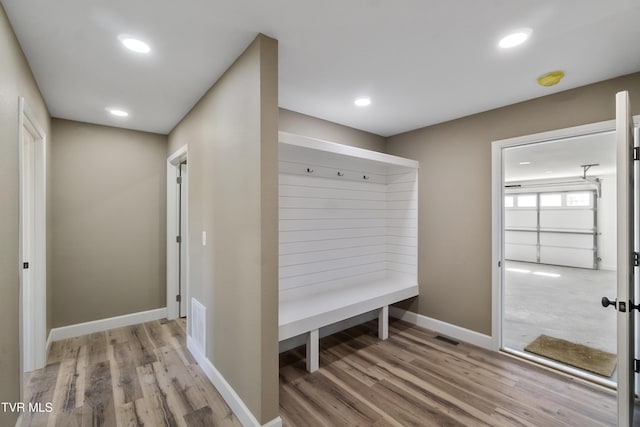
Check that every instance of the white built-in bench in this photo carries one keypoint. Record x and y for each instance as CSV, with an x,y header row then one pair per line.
x,y
348,238
305,313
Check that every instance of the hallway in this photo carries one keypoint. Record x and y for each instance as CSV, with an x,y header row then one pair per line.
x,y
132,376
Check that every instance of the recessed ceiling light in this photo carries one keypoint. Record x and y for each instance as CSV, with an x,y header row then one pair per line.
x,y
117,113
525,163
135,44
362,102
514,39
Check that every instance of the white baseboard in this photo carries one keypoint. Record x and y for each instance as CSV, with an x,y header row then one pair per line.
x,y
238,407
79,329
453,331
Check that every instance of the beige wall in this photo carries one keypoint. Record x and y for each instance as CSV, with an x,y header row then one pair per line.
x,y
15,80
455,192
301,124
108,222
233,175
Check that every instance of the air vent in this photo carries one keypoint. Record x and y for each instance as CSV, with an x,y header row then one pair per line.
x,y
198,324
447,340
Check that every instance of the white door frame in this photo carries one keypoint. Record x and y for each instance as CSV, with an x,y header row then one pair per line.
x,y
32,241
497,195
626,277
173,260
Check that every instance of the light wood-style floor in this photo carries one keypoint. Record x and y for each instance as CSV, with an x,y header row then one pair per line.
x,y
144,376
141,375
414,379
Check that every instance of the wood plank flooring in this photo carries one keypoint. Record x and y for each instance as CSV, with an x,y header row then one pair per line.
x,y
141,375
415,379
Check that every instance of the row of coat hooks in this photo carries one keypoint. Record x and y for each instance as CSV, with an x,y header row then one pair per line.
x,y
309,170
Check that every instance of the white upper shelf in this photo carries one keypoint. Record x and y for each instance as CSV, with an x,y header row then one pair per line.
x,y
381,159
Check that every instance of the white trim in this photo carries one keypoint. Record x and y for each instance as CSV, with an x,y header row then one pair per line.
x,y
237,406
453,331
32,249
345,150
497,194
173,166
571,132
276,422
101,325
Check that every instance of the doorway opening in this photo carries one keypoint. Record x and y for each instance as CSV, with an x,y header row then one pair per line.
x,y
178,236
555,202
33,271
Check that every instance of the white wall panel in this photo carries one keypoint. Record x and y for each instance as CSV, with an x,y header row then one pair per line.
x,y
342,229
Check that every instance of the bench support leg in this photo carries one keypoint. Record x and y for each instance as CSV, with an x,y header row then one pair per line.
x,y
383,323
313,344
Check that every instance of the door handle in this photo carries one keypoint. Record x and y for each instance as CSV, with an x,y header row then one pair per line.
x,y
606,302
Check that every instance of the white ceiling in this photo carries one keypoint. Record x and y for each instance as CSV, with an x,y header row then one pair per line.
x,y
421,61
562,158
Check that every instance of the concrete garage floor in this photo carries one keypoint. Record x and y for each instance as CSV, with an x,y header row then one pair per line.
x,y
561,302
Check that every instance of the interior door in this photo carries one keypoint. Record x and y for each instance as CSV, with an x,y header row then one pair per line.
x,y
182,254
27,257
32,232
626,223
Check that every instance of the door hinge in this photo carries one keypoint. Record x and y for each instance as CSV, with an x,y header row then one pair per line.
x,y
25,265
636,259
179,180
636,366
178,239
178,298
636,153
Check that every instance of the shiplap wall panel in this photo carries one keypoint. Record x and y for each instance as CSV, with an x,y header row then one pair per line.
x,y
409,269
327,224
311,267
402,250
328,193
312,237
331,254
331,275
328,245
402,223
341,230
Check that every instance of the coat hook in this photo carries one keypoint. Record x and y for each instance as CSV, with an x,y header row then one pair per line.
x,y
340,173
365,177
309,170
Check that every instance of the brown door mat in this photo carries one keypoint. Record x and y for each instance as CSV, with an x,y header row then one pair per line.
x,y
576,355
